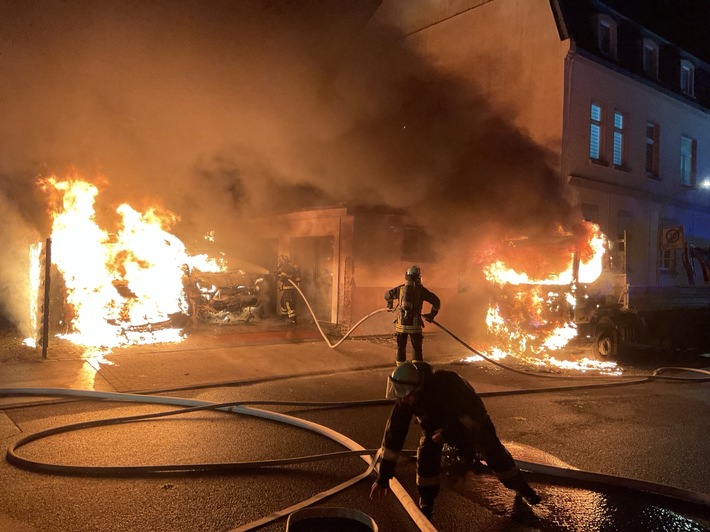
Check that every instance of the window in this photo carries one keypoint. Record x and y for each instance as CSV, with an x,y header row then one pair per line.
x,y
688,148
619,158
650,58
595,132
606,35
667,260
652,146
687,77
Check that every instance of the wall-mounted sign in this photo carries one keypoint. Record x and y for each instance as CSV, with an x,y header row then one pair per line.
x,y
672,237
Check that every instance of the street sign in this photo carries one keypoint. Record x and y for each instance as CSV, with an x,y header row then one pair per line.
x,y
672,237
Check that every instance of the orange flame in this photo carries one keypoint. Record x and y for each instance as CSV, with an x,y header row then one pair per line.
x,y
587,244
121,288
534,285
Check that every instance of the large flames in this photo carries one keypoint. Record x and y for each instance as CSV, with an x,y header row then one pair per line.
x,y
533,293
127,285
120,287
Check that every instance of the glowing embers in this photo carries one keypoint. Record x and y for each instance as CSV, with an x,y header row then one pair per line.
x,y
121,287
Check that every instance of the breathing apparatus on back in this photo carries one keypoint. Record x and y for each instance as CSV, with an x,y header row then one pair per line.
x,y
412,278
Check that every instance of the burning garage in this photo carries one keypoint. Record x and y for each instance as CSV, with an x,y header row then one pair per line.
x,y
139,284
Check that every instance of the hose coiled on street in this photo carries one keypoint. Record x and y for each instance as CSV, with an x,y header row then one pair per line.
x,y
667,492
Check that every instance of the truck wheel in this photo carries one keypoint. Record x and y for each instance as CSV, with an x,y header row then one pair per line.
x,y
605,345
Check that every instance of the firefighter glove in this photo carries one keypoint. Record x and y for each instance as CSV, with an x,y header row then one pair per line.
x,y
378,490
430,316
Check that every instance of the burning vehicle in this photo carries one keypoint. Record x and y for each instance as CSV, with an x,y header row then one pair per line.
x,y
229,297
575,293
535,289
137,284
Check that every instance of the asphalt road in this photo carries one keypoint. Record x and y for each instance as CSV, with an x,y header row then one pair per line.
x,y
654,431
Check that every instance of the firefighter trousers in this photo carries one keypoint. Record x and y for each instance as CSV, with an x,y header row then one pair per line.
x,y
417,340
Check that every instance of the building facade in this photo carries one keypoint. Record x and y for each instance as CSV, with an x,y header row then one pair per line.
x,y
626,109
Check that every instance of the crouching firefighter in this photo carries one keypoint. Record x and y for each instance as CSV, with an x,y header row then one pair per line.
x,y
449,411
408,324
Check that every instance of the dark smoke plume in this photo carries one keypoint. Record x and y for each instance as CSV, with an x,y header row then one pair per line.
x,y
222,109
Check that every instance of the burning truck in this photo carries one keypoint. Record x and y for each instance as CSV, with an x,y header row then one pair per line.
x,y
575,293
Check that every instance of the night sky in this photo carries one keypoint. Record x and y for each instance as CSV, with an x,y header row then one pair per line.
x,y
682,22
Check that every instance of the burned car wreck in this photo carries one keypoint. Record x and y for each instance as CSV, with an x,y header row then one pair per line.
x,y
230,297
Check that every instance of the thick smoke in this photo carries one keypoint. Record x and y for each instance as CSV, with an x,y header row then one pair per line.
x,y
222,109
15,265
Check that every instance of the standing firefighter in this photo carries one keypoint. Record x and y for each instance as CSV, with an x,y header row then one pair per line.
x,y
286,274
411,296
449,411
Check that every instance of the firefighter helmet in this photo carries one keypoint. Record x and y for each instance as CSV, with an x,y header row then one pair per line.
x,y
413,273
405,379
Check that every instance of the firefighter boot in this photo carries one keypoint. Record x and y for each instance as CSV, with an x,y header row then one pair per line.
x,y
522,488
426,508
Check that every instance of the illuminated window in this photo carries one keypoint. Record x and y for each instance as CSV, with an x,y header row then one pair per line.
x,y
619,158
687,77
595,132
606,35
652,146
688,148
650,58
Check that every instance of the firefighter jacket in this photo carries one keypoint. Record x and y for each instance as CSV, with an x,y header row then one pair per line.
x,y
288,272
448,404
411,296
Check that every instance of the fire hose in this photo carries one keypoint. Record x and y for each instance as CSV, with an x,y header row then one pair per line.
x,y
315,320
192,406
661,491
639,379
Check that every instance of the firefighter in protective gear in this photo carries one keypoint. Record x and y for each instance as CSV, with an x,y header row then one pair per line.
x,y
449,411
286,274
411,296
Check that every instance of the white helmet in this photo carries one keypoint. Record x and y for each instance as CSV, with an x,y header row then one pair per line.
x,y
414,273
405,379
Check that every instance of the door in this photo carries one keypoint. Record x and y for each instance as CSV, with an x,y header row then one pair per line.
x,y
314,256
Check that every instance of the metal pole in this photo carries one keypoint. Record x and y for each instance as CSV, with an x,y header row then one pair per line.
x,y
45,313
